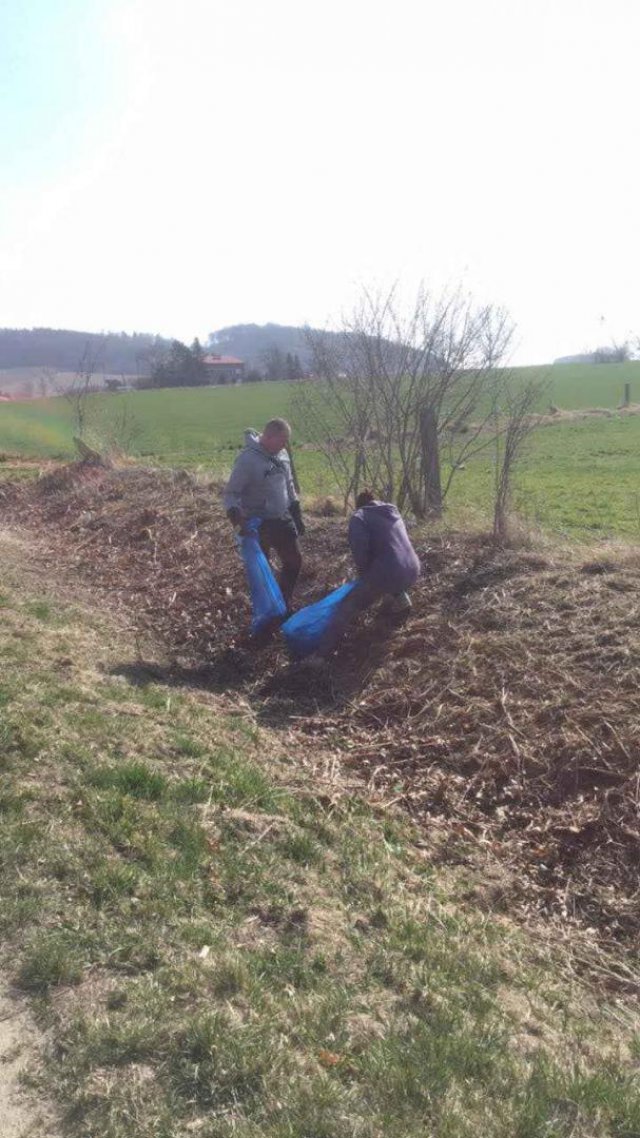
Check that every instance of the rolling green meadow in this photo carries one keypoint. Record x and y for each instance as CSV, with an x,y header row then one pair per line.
x,y
578,478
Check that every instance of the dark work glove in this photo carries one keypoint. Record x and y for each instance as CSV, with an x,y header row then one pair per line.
x,y
296,513
235,517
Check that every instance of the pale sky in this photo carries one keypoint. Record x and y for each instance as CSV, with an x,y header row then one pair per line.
x,y
175,166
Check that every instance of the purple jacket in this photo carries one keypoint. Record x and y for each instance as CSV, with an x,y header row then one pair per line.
x,y
382,551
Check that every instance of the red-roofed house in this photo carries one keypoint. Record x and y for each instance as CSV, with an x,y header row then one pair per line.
x,y
223,369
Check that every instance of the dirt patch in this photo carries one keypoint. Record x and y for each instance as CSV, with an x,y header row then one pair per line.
x,y
558,415
504,714
22,1115
18,462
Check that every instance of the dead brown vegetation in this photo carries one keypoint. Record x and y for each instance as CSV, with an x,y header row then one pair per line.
x,y
505,714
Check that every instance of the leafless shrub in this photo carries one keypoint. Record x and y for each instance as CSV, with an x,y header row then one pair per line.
x,y
613,353
397,390
47,381
516,419
117,428
81,387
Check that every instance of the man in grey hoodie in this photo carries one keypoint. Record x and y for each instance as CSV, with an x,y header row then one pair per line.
x,y
385,561
261,486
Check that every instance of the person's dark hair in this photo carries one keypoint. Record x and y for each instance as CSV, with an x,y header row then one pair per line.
x,y
365,498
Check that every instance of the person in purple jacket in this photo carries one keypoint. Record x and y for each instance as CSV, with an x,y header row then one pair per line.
x,y
386,563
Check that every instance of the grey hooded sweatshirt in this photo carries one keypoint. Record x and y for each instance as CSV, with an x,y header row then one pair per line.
x,y
261,484
381,548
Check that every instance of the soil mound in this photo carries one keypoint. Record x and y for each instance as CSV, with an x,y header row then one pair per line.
x,y
504,714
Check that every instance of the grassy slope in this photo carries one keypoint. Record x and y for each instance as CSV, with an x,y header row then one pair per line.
x,y
227,942
173,422
580,480
587,385
189,422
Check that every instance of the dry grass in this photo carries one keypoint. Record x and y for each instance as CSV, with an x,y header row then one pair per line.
x,y
220,944
221,935
504,714
510,708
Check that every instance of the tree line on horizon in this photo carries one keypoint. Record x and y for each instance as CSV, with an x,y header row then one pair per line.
x,y
182,366
269,352
60,349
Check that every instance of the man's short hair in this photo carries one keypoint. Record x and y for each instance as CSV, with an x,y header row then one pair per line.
x,y
365,498
277,427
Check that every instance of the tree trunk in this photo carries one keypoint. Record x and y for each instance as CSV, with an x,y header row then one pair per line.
x,y
430,453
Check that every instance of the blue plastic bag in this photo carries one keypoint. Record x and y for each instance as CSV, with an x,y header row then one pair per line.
x,y
267,602
304,630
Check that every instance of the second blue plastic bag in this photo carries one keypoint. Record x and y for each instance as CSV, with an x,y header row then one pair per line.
x,y
304,630
267,602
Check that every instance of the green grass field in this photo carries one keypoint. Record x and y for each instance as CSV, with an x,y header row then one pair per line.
x,y
573,386
179,425
578,478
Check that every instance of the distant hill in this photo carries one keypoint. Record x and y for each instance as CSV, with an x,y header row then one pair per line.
x,y
253,342
30,353
38,361
61,350
580,358
606,354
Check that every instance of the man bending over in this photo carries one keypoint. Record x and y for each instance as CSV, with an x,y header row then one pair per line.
x,y
386,563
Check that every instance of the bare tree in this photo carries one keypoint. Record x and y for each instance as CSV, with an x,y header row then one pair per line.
x,y
612,354
81,387
405,397
47,381
516,419
335,413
